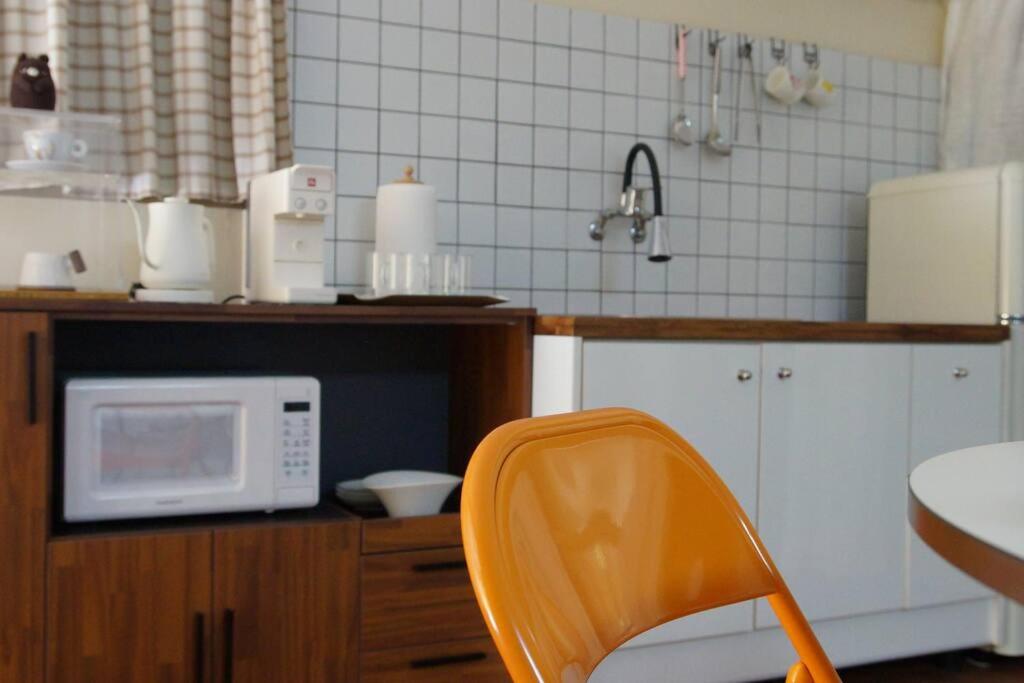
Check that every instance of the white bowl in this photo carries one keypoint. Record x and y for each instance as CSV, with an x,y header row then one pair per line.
x,y
411,493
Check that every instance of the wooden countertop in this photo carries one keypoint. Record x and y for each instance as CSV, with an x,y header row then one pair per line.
x,y
736,329
98,309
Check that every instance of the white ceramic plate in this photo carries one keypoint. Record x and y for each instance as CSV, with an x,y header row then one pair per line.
x,y
354,493
45,165
412,493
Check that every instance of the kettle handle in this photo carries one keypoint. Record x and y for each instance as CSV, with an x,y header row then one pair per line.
x,y
141,235
208,227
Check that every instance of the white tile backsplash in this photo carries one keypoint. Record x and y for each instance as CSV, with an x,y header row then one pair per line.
x,y
521,114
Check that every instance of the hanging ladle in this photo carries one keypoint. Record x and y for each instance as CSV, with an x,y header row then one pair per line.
x,y
715,140
682,127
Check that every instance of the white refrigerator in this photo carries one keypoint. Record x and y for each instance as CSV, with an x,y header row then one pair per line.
x,y
948,247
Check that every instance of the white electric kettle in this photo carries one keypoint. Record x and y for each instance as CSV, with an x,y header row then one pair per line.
x,y
177,247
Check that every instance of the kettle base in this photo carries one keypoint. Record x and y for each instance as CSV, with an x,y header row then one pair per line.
x,y
178,296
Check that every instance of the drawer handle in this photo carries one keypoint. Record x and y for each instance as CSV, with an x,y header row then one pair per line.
x,y
785,373
961,373
439,566
434,662
33,388
199,654
744,375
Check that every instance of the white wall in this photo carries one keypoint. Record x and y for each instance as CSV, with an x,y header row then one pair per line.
x,y
903,30
104,233
522,116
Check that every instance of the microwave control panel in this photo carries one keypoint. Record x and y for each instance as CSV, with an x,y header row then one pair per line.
x,y
298,460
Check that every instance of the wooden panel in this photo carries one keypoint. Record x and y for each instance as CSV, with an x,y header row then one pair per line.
x,y
394,580
411,533
120,310
131,609
285,603
948,413
833,472
471,661
764,330
24,468
491,378
415,598
421,624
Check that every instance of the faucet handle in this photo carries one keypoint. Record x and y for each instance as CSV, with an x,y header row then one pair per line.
x,y
631,202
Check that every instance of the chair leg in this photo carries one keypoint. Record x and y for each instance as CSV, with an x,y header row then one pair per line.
x,y
798,673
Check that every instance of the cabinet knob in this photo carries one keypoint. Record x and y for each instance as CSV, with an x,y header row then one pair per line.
x,y
744,375
960,373
785,373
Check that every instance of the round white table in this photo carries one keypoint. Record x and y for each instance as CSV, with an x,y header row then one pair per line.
x,y
968,505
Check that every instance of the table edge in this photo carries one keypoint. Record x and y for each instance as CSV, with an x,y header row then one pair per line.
x,y
992,566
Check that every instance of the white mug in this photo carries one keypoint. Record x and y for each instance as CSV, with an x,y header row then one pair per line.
x,y
53,145
783,85
43,270
819,90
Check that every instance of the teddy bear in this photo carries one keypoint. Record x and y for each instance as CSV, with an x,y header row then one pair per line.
x,y
31,83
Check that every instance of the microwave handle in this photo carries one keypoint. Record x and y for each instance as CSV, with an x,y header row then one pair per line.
x,y
33,391
229,645
200,650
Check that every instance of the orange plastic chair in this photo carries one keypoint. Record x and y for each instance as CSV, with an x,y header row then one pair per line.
x,y
583,530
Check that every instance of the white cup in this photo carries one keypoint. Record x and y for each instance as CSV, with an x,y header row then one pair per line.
x,y
783,85
818,91
43,270
53,145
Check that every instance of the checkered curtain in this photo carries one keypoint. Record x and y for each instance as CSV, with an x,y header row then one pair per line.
x,y
200,85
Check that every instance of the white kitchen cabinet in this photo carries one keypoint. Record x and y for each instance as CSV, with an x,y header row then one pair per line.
x,y
708,393
833,472
956,402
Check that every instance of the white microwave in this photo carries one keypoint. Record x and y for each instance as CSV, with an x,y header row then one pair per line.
x,y
149,447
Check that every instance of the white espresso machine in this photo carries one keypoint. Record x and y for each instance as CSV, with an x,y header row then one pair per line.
x,y
284,236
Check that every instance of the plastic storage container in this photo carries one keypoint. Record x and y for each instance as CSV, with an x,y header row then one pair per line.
x,y
61,175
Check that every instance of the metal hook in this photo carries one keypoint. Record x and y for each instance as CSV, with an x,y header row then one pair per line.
x,y
681,28
778,48
811,55
744,46
714,40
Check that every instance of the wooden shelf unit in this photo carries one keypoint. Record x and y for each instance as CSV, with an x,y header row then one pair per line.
x,y
251,577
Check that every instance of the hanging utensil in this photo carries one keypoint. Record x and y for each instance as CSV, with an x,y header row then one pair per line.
x,y
682,127
744,51
715,141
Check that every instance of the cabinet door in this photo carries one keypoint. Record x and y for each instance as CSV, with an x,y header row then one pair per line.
x,y
833,474
286,603
956,402
24,454
709,394
132,609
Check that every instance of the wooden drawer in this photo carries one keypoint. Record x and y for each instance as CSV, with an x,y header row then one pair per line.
x,y
416,598
387,535
475,660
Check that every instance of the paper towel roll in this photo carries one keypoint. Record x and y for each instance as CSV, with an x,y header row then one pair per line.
x,y
406,216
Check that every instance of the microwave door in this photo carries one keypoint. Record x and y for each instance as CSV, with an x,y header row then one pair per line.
x,y
167,449
173,452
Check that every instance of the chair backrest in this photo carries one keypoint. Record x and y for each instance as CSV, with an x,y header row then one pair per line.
x,y
586,529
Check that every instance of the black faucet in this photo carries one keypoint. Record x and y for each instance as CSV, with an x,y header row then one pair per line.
x,y
631,205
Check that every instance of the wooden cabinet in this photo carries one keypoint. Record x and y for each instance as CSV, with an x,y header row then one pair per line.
x,y
833,474
956,402
129,608
285,603
260,603
709,393
24,469
461,661
419,617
